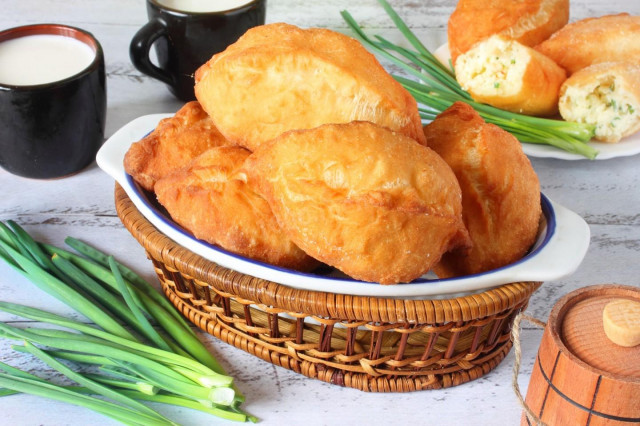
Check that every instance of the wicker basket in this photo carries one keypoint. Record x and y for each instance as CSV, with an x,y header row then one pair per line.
x,y
367,343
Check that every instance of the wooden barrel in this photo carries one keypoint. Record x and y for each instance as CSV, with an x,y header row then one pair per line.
x,y
580,376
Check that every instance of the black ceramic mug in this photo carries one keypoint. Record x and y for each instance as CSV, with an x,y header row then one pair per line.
x,y
51,120
185,38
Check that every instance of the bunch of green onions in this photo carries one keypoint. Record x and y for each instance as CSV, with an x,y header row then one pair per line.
x,y
437,89
139,349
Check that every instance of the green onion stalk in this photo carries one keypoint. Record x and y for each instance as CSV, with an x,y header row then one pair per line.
x,y
139,347
436,89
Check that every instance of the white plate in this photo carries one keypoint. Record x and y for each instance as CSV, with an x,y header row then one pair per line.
x,y
627,146
560,248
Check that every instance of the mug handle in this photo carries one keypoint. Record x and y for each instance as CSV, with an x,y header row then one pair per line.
x,y
140,47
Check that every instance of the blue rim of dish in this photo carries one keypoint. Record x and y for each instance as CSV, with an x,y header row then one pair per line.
x,y
547,211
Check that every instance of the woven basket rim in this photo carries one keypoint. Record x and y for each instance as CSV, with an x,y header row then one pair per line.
x,y
161,248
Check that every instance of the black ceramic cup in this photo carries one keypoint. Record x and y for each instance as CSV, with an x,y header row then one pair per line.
x,y
54,129
184,40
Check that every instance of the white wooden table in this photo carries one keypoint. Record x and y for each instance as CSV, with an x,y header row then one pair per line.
x,y
605,193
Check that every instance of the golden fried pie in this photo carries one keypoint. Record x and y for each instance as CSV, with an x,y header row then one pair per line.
x,y
526,21
605,95
371,202
279,77
208,199
500,190
173,144
609,38
511,76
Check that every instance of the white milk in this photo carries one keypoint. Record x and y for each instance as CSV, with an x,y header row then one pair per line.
x,y
203,5
38,59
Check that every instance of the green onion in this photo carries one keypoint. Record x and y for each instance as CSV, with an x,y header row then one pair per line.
x,y
132,384
66,294
133,302
164,398
90,346
184,388
142,392
438,90
176,329
17,372
32,251
168,364
92,385
111,301
129,275
48,390
103,339
185,366
74,356
189,403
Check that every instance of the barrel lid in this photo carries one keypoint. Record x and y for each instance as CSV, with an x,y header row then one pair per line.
x,y
578,323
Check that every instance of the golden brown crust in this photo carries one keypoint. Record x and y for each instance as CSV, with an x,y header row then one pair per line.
x,y
540,88
606,95
533,90
610,38
529,22
215,205
373,203
173,144
279,77
500,190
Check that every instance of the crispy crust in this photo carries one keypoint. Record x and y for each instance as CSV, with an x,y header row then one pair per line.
x,y
212,202
538,86
609,96
173,144
500,190
610,38
278,77
529,22
373,203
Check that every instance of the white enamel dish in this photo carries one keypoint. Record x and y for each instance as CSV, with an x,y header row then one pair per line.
x,y
561,246
626,147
